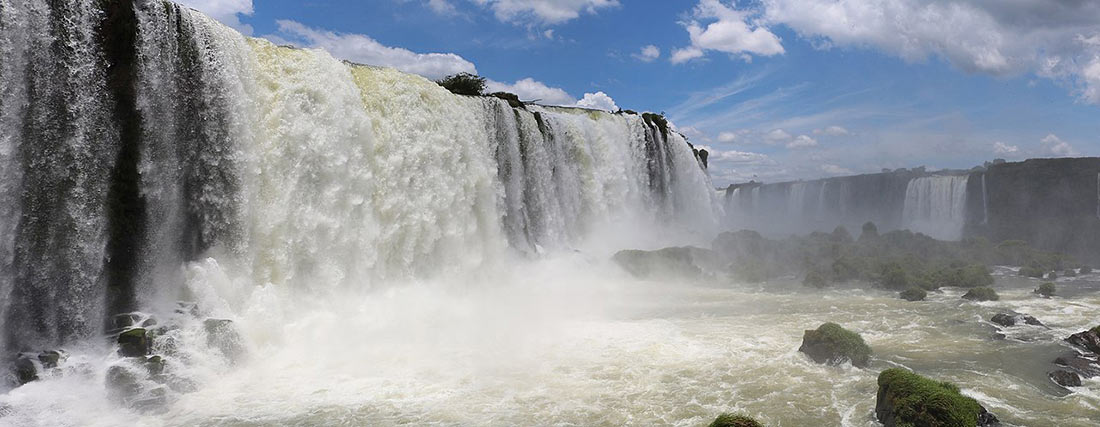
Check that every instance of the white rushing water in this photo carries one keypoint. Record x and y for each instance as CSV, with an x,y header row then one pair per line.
x,y
936,206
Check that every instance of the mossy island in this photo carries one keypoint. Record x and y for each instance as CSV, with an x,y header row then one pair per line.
x,y
831,344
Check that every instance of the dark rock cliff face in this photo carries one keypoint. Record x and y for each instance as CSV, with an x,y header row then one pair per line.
x,y
1053,204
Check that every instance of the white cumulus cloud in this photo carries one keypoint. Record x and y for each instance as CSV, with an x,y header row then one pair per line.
x,y
832,131
777,135
802,141
225,11
718,27
365,50
835,170
533,90
1005,149
599,101
1053,39
544,12
1052,145
648,54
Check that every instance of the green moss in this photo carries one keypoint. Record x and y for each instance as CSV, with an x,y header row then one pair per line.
x,y
463,84
971,276
831,343
815,279
981,294
133,342
1046,289
735,420
914,294
912,400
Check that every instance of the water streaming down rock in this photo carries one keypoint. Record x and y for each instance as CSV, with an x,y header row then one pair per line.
x,y
145,147
936,206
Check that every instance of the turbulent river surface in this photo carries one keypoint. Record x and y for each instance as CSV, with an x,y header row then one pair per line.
x,y
550,347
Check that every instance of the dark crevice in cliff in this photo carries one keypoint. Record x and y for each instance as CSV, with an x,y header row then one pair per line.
x,y
126,205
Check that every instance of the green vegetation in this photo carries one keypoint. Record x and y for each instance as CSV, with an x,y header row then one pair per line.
x,y
869,232
815,279
463,84
1028,271
914,294
1046,289
906,399
832,344
981,294
735,420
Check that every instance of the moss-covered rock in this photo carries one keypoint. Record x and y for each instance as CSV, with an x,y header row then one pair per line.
x,y
914,294
735,420
1052,276
1046,289
1069,273
981,294
133,342
1085,270
832,344
907,399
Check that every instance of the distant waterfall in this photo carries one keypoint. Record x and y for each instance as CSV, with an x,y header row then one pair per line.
x,y
145,148
936,206
985,202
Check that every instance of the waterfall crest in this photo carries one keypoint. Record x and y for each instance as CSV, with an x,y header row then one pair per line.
x,y
936,206
146,150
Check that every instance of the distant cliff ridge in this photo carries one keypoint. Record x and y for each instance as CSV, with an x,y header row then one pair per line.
x,y
1051,203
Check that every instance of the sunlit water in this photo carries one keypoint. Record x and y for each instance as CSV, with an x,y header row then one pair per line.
x,y
551,346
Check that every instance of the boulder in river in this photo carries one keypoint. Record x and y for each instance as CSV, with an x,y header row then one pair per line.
x,y
133,342
1088,340
981,294
907,399
1015,319
832,344
914,294
222,335
680,262
1065,378
735,420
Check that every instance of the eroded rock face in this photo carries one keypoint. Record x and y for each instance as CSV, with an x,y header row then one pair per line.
x,y
1015,319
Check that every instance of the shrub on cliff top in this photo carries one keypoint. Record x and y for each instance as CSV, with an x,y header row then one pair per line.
x,y
463,84
908,399
735,420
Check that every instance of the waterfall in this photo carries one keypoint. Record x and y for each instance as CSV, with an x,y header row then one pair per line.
x,y
985,202
150,154
936,206
796,198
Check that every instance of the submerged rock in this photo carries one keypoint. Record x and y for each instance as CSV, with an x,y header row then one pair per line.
x,y
1065,378
133,342
907,399
832,344
735,420
1082,365
1014,319
27,366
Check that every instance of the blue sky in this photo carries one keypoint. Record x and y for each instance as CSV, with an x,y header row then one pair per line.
x,y
777,89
